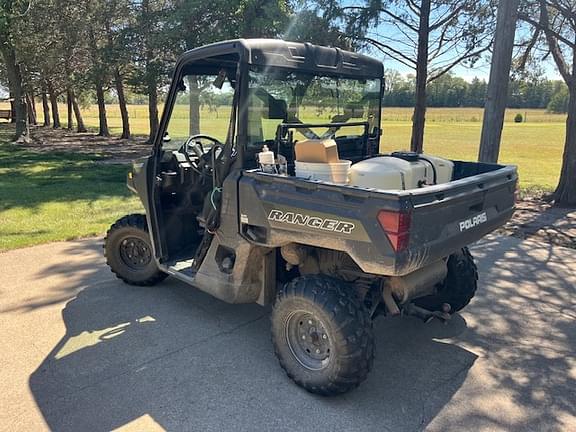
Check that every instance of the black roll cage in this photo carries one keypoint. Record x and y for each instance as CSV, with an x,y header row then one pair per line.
x,y
244,53
269,53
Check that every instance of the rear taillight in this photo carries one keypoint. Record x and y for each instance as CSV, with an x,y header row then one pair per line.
x,y
396,225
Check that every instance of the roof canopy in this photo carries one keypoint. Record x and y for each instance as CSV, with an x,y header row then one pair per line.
x,y
290,55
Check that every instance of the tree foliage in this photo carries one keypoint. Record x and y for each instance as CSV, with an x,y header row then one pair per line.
x,y
525,91
559,102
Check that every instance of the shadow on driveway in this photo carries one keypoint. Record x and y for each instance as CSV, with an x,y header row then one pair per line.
x,y
174,358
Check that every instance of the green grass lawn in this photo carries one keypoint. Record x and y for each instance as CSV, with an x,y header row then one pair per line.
x,y
535,146
50,197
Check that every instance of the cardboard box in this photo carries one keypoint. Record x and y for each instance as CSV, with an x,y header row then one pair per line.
x,y
317,150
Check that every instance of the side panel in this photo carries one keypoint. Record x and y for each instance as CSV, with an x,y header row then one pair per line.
x,y
137,182
277,211
247,281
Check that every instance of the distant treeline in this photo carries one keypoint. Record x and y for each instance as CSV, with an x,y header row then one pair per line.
x,y
448,91
453,91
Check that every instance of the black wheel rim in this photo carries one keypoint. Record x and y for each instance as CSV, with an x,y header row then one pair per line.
x,y
135,253
308,340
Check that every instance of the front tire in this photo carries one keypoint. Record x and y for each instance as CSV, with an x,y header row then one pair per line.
x,y
129,254
322,335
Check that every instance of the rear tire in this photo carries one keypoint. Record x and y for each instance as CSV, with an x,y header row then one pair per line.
x,y
322,335
458,288
129,254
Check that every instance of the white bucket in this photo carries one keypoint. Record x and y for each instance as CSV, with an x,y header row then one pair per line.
x,y
335,172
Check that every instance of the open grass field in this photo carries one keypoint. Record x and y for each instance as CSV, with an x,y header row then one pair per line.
x,y
57,196
535,146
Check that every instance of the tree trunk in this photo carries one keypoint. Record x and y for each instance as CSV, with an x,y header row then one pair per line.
x,y
194,105
419,117
102,120
122,104
565,194
497,95
152,110
69,107
15,85
54,105
12,108
45,108
77,113
31,110
32,98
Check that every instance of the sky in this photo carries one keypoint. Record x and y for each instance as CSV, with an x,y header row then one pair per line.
x,y
397,36
481,70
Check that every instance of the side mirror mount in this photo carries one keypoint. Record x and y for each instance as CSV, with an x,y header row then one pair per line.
x,y
277,109
180,86
219,81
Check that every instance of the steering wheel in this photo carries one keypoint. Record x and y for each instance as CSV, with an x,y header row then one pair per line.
x,y
198,149
203,163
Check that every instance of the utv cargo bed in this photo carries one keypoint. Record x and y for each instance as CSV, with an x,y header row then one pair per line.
x,y
389,233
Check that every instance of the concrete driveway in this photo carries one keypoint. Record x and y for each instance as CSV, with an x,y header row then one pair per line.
x,y
83,352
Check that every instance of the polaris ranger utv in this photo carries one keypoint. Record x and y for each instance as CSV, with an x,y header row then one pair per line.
x,y
232,208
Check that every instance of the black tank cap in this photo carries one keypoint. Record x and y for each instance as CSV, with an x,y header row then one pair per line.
x,y
406,155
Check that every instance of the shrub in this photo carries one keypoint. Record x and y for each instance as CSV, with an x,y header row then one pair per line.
x,y
518,118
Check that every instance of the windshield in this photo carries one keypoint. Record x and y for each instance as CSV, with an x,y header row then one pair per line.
x,y
203,106
295,97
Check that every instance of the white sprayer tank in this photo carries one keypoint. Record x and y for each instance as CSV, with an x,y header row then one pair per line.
x,y
401,173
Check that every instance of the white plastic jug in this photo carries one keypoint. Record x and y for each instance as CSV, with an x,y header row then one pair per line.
x,y
334,172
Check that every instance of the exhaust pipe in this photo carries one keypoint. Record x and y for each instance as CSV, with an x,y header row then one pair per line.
x,y
420,283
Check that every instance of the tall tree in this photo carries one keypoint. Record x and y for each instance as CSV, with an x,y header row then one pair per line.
x,y
77,113
45,108
429,36
497,97
119,16
153,54
69,112
11,11
226,20
99,68
31,107
71,43
54,105
47,50
555,21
